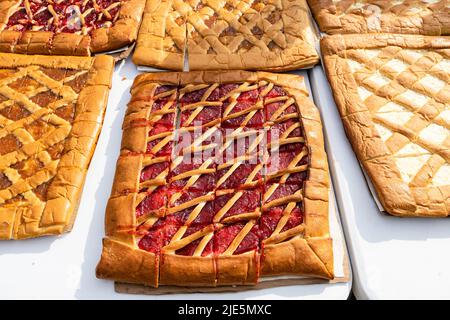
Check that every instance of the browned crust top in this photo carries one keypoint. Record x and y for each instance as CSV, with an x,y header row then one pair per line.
x,y
406,17
57,213
420,196
272,36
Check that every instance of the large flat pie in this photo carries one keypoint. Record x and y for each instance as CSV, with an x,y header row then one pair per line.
x,y
393,93
231,34
428,17
51,113
68,27
234,190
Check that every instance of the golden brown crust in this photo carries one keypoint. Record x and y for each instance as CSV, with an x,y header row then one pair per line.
x,y
405,75
299,256
122,33
64,176
242,269
269,36
162,35
311,245
125,263
406,17
187,271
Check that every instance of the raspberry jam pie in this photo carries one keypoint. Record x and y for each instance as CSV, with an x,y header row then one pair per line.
x,y
69,27
222,180
51,114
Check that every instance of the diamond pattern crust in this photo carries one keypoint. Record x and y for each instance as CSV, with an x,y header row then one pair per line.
x,y
209,215
226,34
393,95
68,27
427,17
51,113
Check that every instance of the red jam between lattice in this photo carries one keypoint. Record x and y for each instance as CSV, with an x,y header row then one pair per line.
x,y
243,186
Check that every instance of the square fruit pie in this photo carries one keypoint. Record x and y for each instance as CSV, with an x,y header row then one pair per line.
x,y
393,93
51,113
229,34
68,27
222,180
427,17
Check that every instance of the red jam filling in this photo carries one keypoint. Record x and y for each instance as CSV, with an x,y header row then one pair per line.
x,y
269,221
160,234
205,217
273,107
225,89
153,170
205,182
237,147
207,115
153,201
197,96
275,92
185,196
166,150
189,249
256,120
248,202
280,161
238,177
282,190
277,130
250,241
295,219
205,149
164,88
225,236
250,96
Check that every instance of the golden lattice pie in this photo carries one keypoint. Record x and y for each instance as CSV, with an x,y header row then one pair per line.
x,y
51,113
428,17
68,27
231,34
393,93
214,198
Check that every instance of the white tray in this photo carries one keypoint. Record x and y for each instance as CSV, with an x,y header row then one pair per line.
x,y
392,258
64,267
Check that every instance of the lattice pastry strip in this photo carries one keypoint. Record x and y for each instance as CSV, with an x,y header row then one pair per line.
x,y
242,107
241,158
404,16
226,35
29,109
200,105
282,222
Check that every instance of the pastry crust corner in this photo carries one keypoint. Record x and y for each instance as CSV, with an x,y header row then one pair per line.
x,y
122,262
